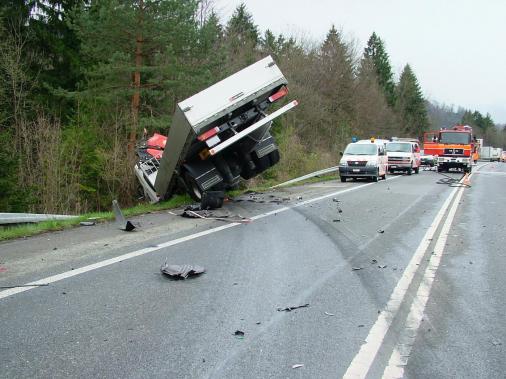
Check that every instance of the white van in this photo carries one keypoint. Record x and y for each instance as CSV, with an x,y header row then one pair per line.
x,y
364,159
404,156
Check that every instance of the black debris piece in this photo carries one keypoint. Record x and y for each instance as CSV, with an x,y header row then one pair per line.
x,y
299,198
374,261
289,309
122,223
239,333
181,271
212,199
193,207
361,325
335,200
381,231
382,266
356,268
337,220
339,210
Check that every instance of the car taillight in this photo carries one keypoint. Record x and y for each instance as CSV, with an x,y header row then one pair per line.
x,y
208,134
278,95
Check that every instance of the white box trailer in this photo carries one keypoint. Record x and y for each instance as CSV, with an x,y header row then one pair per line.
x,y
219,135
486,153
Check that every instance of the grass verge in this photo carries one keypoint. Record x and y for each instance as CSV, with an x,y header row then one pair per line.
x,y
25,230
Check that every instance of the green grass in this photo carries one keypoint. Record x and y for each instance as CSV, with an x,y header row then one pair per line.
x,y
25,230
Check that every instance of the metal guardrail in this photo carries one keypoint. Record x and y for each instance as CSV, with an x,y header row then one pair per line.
x,y
308,176
23,218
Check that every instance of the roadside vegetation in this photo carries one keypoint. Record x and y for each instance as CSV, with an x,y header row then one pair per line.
x,y
81,81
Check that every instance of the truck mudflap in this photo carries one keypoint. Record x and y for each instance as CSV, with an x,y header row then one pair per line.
x,y
199,177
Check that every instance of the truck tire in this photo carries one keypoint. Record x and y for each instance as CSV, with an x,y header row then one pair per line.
x,y
343,179
417,170
410,170
192,187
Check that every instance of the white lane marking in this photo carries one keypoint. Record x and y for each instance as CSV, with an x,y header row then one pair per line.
x,y
402,351
68,274
362,362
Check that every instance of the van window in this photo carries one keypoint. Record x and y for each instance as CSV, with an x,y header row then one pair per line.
x,y
399,147
361,149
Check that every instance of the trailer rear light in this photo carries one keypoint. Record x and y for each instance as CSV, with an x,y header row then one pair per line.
x,y
278,95
210,133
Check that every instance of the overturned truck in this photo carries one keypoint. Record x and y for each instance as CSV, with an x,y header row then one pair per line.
x,y
217,136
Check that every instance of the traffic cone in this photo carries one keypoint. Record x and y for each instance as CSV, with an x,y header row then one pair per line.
x,y
466,180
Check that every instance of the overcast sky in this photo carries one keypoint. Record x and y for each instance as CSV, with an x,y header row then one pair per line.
x,y
457,48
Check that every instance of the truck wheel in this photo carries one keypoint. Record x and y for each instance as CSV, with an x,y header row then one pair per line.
x,y
417,170
343,179
410,170
192,187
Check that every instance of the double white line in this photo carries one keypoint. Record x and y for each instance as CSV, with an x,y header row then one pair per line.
x,y
364,359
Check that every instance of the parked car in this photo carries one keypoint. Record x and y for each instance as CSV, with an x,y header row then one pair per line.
x,y
428,160
403,155
364,159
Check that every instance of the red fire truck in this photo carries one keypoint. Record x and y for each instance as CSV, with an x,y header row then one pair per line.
x,y
453,147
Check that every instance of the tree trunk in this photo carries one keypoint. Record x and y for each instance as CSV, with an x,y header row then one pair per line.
x,y
136,97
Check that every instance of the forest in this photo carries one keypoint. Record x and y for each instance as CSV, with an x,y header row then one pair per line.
x,y
81,81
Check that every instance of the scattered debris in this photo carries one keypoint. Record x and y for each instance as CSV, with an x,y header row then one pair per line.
x,y
374,261
381,231
189,212
239,333
470,262
299,198
122,223
289,309
87,223
329,314
339,210
361,325
335,200
181,271
496,343
258,322
382,266
298,365
212,199
356,268
337,220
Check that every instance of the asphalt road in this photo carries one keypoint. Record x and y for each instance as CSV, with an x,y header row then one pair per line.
x,y
406,281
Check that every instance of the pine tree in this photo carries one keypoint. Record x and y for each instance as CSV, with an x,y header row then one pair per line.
x,y
375,50
242,27
337,82
139,53
411,104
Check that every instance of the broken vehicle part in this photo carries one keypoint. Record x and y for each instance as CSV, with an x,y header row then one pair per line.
x,y
289,309
122,223
181,271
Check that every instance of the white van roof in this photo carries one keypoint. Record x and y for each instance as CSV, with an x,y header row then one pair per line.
x,y
376,141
